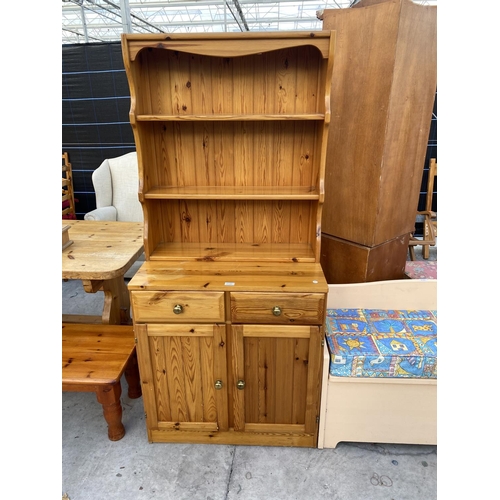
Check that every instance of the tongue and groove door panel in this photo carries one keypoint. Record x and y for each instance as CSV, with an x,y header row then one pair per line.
x,y
183,372
277,378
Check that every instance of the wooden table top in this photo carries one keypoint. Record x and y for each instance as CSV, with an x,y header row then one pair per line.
x,y
101,250
91,354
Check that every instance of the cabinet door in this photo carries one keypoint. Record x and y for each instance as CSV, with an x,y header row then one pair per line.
x,y
184,377
277,377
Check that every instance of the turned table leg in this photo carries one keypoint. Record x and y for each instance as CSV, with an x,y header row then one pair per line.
x,y
109,397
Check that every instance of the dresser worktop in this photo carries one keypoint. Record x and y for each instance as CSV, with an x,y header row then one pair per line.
x,y
230,276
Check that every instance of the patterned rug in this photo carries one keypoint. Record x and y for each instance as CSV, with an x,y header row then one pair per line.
x,y
421,269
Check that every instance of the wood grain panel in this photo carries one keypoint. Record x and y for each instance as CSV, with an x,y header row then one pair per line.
x,y
230,154
264,223
164,90
221,372
360,97
218,276
225,44
244,230
203,94
94,354
284,376
307,96
258,308
238,373
100,250
158,307
209,405
226,215
243,152
229,252
285,80
140,91
251,221
174,373
181,330
300,362
274,331
278,373
383,88
285,436
409,119
194,386
273,150
145,363
252,406
180,370
159,367
208,222
348,262
313,391
267,380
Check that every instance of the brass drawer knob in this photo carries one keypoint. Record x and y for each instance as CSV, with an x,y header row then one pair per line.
x,y
218,384
277,310
240,384
178,309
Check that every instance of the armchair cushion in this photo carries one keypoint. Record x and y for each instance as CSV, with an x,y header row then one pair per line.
x,y
382,343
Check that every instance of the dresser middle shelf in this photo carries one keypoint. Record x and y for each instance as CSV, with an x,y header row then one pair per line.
x,y
233,117
231,193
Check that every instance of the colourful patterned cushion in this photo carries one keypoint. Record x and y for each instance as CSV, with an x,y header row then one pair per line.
x,y
382,343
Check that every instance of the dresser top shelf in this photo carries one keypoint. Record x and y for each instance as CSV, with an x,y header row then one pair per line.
x,y
233,44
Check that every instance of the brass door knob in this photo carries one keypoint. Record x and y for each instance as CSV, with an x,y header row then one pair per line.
x,y
277,310
218,384
177,309
240,384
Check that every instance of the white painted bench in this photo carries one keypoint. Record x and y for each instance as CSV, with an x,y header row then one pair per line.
x,y
379,410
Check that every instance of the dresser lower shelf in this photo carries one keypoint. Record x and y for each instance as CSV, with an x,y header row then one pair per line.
x,y
271,252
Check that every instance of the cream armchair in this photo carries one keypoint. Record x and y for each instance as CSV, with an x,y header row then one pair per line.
x,y
116,184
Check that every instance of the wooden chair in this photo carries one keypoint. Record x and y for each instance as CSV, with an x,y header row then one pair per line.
x,y
68,196
428,217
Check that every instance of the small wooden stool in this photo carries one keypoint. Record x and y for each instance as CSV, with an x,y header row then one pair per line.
x,y
94,357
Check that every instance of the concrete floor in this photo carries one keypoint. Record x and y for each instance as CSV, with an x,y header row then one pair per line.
x,y
94,468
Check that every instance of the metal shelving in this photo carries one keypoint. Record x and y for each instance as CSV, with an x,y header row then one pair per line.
x,y
93,21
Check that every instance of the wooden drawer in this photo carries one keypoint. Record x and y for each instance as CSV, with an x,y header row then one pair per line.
x,y
278,308
178,307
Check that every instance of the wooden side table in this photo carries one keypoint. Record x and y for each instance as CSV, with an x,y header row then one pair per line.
x,y
94,357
